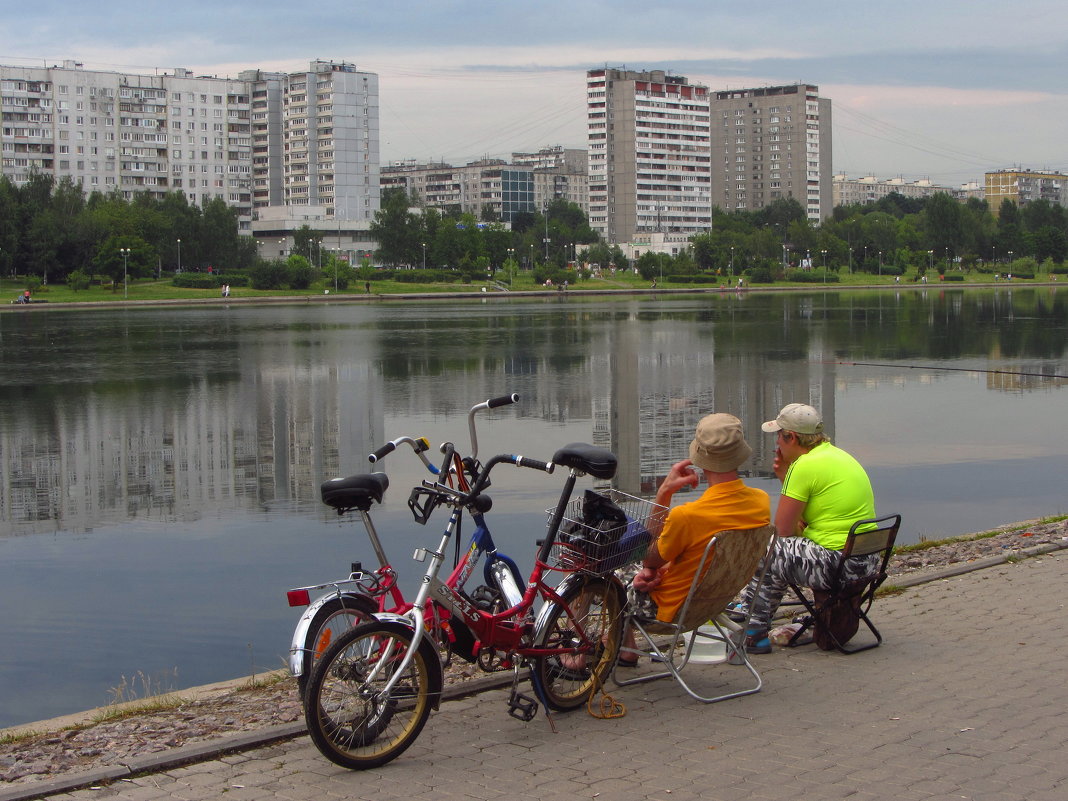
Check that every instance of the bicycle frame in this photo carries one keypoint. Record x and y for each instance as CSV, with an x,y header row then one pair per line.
x,y
510,631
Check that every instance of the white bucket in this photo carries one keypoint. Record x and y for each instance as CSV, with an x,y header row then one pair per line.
x,y
706,651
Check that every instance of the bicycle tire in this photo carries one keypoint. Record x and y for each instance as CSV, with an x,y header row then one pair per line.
x,y
597,604
333,619
347,722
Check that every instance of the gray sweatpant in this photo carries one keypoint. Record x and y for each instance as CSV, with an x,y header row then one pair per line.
x,y
806,564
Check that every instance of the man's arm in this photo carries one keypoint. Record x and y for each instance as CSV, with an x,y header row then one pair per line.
x,y
788,516
652,571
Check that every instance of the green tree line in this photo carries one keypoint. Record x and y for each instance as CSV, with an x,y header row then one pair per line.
x,y
50,229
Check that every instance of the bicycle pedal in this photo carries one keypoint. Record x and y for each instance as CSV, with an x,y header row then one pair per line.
x,y
522,707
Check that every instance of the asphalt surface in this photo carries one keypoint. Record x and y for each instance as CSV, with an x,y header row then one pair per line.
x,y
964,700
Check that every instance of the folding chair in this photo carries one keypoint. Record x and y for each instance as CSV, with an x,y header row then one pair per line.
x,y
729,561
834,614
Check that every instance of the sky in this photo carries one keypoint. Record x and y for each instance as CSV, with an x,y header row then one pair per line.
x,y
938,89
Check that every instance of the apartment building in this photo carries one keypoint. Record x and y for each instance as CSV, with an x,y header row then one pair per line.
x,y
1023,186
487,184
770,143
868,189
649,153
330,140
132,133
304,139
559,173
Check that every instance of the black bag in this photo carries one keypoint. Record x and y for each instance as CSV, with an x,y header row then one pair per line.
x,y
607,534
840,617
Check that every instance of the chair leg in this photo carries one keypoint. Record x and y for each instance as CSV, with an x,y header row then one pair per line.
x,y
674,665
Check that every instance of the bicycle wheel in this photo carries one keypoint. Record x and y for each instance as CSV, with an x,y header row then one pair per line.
x,y
348,719
596,605
333,619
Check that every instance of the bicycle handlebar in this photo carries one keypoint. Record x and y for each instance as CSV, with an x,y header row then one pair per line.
x,y
492,403
504,400
420,445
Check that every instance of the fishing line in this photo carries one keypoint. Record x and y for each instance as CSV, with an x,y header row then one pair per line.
x,y
947,369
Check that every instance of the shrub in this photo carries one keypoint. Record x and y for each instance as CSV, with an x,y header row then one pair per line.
x,y
953,277
195,281
761,275
299,274
268,275
78,280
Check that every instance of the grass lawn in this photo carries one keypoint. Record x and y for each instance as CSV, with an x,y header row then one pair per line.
x,y
154,290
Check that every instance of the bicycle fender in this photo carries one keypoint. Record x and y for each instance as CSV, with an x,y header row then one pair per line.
x,y
300,633
389,620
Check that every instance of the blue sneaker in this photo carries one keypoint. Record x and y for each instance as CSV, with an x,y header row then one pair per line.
x,y
757,642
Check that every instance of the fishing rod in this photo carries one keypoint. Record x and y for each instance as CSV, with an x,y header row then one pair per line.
x,y
946,369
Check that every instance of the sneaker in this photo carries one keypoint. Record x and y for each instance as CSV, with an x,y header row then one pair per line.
x,y
757,642
736,613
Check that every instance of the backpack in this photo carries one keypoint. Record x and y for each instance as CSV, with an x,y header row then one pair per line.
x,y
838,618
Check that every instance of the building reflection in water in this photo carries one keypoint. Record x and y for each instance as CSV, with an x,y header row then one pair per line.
x,y
281,411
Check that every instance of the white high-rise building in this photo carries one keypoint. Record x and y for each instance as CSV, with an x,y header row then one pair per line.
x,y
330,140
132,133
260,140
649,154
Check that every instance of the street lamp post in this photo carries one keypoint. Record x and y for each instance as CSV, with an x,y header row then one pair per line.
x,y
880,264
732,265
823,253
125,254
424,255
179,255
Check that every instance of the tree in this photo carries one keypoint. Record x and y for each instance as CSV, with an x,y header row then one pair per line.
x,y
396,229
945,232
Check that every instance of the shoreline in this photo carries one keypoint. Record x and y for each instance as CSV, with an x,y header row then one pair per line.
x,y
502,294
916,565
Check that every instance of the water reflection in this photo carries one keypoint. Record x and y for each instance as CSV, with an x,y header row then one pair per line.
x,y
126,415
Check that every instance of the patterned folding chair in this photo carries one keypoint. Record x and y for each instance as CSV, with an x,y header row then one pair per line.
x,y
730,560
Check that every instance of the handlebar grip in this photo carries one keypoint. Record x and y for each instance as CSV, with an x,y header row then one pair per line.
x,y
389,447
534,464
504,400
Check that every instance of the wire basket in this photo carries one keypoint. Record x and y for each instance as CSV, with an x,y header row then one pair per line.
x,y
600,549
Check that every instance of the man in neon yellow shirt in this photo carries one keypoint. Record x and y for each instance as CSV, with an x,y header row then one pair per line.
x,y
824,492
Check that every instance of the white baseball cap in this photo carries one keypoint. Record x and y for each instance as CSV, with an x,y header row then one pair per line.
x,y
796,417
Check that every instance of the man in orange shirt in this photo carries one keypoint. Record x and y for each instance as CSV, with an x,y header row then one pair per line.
x,y
718,449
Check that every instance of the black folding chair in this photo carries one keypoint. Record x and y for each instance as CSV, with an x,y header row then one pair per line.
x,y
834,614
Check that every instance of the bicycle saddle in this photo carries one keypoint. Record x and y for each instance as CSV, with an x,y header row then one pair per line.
x,y
598,462
354,492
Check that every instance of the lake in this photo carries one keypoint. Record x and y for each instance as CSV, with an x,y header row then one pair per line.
x,y
159,467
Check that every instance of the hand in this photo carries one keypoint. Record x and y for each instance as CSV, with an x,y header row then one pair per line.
x,y
678,477
780,465
648,579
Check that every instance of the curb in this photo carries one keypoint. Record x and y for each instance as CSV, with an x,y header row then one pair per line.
x,y
212,749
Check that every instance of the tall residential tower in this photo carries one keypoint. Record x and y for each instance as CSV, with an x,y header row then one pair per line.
x,y
772,143
649,153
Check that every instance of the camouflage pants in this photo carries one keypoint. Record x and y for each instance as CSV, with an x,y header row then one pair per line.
x,y
806,564
639,603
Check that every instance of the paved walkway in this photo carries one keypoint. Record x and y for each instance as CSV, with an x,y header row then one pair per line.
x,y
965,699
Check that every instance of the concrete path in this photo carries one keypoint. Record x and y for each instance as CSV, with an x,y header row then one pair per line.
x,y
965,699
